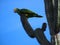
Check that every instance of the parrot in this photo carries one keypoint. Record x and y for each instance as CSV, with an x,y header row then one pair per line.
x,y
26,12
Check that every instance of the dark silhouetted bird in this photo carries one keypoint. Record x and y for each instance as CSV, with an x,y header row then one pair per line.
x,y
26,12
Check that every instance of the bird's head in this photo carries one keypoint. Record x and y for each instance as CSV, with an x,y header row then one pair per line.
x,y
16,10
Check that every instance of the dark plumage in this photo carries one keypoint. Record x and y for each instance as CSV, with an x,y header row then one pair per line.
x,y
26,12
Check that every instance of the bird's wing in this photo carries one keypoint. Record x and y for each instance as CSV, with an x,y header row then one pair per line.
x,y
26,11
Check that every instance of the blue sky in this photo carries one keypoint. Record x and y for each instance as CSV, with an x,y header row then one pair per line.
x,y
11,30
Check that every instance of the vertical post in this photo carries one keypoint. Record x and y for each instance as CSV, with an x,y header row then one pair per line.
x,y
56,30
51,8
57,36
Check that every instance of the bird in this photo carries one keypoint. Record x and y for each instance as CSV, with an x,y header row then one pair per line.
x,y
28,13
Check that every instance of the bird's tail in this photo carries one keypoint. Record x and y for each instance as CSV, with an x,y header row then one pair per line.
x,y
39,16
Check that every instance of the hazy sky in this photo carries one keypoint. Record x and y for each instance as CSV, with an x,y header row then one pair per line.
x,y
11,30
